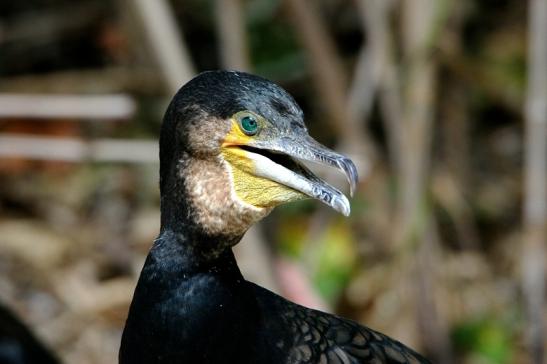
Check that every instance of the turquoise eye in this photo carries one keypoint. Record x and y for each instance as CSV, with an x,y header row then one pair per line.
x,y
249,125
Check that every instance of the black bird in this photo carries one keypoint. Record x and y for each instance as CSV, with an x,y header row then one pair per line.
x,y
229,149
18,345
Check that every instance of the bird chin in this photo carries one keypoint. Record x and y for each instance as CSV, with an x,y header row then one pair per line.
x,y
265,179
254,190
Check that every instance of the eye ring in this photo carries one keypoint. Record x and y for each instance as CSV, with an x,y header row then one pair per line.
x,y
248,124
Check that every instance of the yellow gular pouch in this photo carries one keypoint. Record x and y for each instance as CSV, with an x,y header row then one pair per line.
x,y
254,190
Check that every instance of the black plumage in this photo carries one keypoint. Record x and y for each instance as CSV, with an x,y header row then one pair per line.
x,y
18,345
191,304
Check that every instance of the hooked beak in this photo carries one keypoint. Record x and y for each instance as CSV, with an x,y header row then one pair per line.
x,y
278,161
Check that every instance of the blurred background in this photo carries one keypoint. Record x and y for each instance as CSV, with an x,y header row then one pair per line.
x,y
441,103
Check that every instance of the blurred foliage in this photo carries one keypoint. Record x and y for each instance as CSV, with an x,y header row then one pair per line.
x,y
275,53
488,338
98,219
336,260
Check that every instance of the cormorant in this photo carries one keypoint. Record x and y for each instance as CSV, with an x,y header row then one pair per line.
x,y
229,149
18,345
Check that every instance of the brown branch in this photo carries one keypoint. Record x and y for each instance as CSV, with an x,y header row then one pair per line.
x,y
165,41
535,175
453,179
376,72
77,150
234,52
418,94
371,60
327,72
330,82
430,321
419,32
93,107
100,81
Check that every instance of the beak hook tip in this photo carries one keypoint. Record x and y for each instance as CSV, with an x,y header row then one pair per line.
x,y
350,170
344,206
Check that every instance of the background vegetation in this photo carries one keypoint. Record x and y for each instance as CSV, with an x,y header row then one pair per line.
x,y
441,103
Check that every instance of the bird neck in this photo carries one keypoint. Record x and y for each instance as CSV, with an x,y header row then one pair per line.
x,y
192,251
180,222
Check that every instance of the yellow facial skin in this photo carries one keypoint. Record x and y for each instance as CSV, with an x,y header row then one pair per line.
x,y
256,191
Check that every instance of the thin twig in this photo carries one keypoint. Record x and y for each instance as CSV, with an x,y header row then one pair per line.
x,y
234,52
327,72
330,82
535,208
77,150
371,60
420,20
166,42
376,69
452,181
91,107
430,320
137,80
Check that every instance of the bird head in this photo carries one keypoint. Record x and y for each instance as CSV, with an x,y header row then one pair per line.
x,y
231,149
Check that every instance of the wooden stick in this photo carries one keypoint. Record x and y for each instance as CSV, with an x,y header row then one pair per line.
x,y
327,72
330,82
535,175
420,24
230,20
371,60
107,80
165,42
76,150
90,107
376,73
